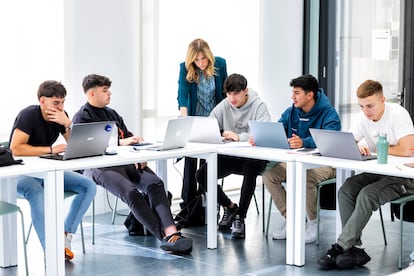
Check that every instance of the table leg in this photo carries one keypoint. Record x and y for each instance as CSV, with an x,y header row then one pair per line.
x,y
8,233
211,160
54,229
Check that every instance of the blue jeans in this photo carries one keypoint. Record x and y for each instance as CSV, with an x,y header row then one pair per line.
x,y
31,188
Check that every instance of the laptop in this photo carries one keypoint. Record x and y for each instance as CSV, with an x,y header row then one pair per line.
x,y
269,134
206,130
86,139
339,144
176,135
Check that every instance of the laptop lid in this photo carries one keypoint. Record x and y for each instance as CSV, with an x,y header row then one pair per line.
x,y
269,134
86,139
339,144
205,130
176,135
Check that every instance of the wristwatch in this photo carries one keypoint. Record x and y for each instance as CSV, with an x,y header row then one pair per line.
x,y
70,126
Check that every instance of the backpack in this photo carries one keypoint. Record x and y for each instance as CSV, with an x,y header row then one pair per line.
x,y
6,157
192,214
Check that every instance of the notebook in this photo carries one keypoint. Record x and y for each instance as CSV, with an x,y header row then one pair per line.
x,y
206,130
176,135
338,144
86,139
269,134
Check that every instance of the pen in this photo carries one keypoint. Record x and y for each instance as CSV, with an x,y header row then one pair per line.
x,y
398,168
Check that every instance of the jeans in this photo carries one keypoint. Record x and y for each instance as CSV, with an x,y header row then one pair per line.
x,y
32,189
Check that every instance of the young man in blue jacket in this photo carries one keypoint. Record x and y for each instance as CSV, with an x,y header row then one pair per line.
x,y
310,109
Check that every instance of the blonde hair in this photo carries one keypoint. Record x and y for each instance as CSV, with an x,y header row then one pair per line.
x,y
369,88
198,46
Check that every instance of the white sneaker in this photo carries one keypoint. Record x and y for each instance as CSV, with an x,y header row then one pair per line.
x,y
281,234
310,231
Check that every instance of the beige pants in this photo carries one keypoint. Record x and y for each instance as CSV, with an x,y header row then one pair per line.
x,y
273,178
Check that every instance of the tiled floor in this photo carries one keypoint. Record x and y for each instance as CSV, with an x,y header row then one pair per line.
x,y
117,254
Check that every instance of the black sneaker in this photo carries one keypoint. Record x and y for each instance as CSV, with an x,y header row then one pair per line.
x,y
228,217
352,258
177,244
328,261
237,228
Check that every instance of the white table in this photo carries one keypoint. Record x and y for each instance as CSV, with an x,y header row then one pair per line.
x,y
8,238
279,155
344,169
52,173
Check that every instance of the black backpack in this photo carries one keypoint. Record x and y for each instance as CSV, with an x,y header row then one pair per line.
x,y
192,214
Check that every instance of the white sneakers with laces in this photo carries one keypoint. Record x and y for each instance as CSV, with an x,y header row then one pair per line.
x,y
310,232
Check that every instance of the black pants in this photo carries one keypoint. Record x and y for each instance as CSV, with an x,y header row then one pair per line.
x,y
190,186
227,165
154,214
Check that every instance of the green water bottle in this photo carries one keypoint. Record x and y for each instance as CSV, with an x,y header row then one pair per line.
x,y
382,149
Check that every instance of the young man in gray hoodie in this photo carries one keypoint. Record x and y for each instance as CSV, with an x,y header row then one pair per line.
x,y
241,105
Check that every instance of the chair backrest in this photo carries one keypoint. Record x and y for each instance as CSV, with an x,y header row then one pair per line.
x,y
328,196
408,214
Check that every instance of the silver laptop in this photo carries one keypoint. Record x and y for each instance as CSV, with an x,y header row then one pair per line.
x,y
338,144
269,134
176,135
205,130
86,139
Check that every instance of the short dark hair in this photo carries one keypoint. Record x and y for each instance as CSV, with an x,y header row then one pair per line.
x,y
93,80
51,88
234,83
307,82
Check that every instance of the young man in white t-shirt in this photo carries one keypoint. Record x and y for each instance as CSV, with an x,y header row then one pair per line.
x,y
364,193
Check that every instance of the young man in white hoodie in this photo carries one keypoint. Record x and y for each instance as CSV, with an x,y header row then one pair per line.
x,y
241,105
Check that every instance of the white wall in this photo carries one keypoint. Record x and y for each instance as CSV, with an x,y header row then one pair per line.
x,y
102,37
281,43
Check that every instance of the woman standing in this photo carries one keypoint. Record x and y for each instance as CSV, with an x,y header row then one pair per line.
x,y
200,89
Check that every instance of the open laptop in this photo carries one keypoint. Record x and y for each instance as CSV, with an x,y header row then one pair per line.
x,y
269,134
176,135
86,139
338,144
206,130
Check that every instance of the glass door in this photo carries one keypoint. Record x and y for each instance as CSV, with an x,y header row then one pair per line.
x,y
368,48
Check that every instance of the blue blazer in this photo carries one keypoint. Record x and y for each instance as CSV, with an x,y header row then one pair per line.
x,y
187,92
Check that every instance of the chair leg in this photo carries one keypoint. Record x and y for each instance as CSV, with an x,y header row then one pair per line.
x,y
24,244
382,225
26,240
318,209
83,238
93,221
401,234
255,202
263,207
114,210
268,216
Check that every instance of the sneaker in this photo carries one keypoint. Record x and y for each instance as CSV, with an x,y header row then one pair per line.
x,y
177,243
228,216
237,228
69,255
328,261
310,231
352,258
280,234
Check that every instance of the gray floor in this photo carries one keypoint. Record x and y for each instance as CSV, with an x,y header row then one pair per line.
x,y
116,254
